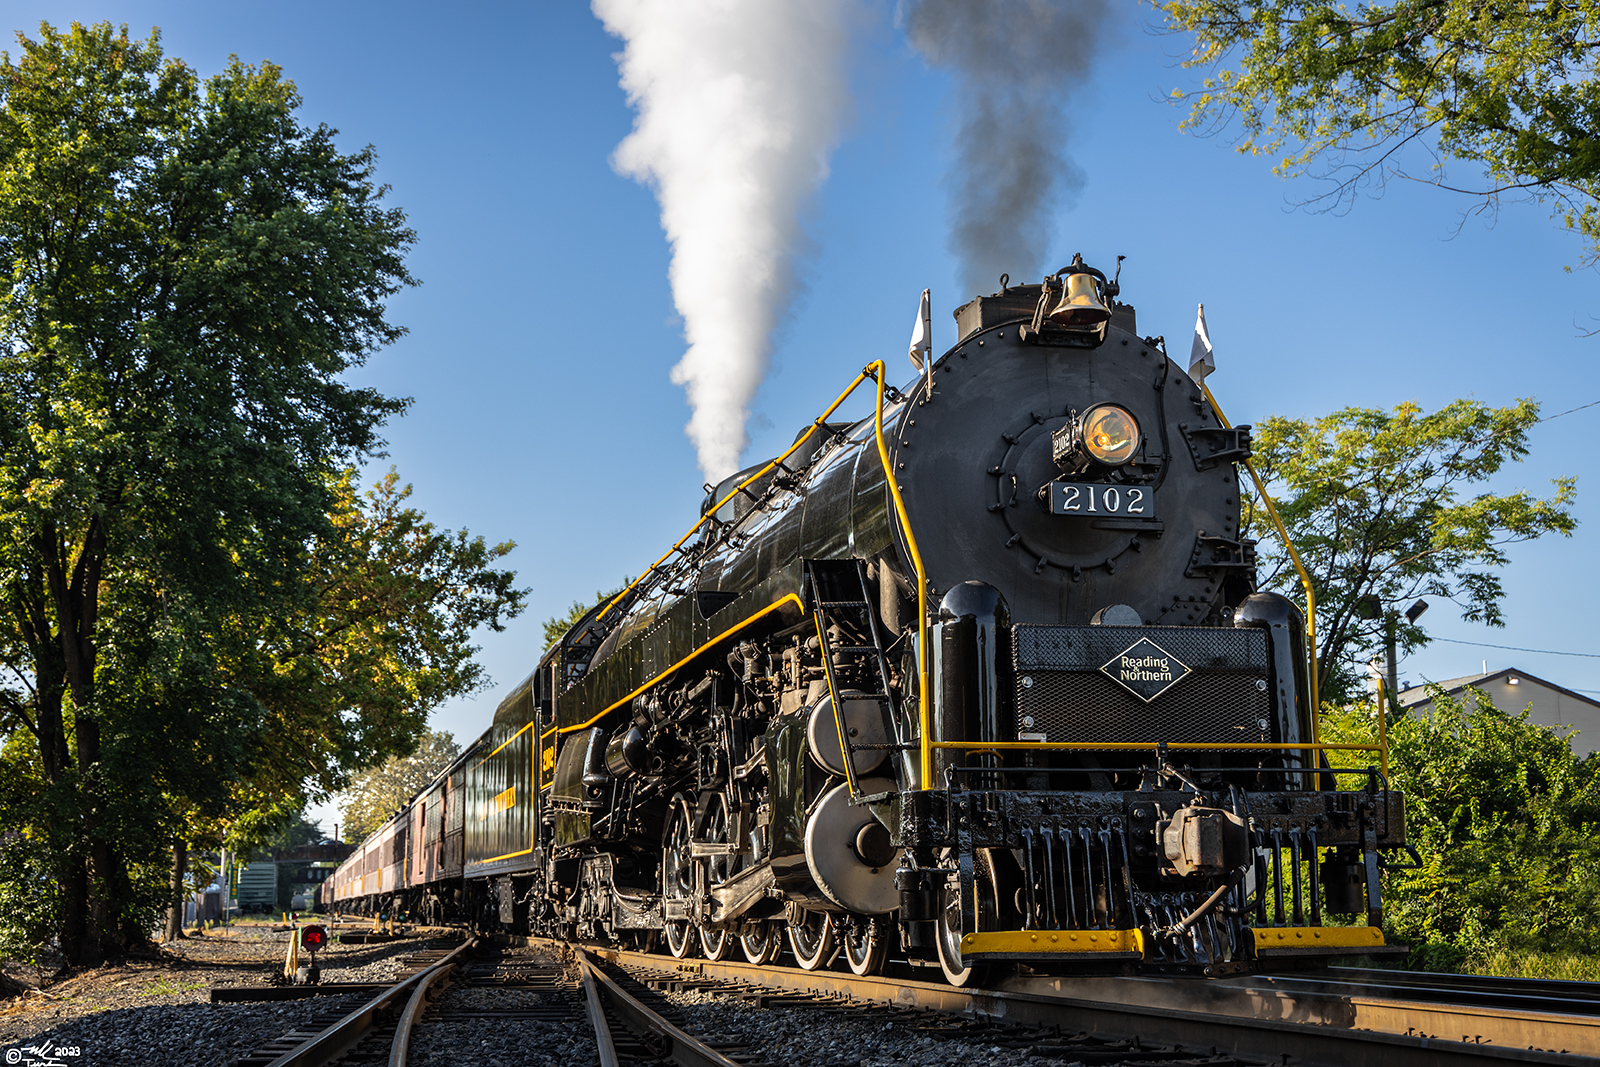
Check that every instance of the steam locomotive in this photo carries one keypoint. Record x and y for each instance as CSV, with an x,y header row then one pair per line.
x,y
983,677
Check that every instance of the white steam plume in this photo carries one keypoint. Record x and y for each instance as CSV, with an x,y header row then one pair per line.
x,y
1015,62
739,105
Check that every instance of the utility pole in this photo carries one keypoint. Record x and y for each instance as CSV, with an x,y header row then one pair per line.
x,y
1370,607
1390,624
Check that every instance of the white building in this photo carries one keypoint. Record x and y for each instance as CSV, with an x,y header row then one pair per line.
x,y
1511,690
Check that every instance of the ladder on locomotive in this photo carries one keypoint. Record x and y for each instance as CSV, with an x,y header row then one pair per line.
x,y
839,593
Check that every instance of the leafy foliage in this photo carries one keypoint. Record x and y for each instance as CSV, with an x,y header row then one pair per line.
x,y
382,635
1373,501
1508,88
296,832
1507,821
208,622
378,793
556,626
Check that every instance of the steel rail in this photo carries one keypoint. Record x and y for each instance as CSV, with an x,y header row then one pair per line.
x,y
683,1049
400,1046
1565,988
597,1015
1244,1015
344,1034
1510,994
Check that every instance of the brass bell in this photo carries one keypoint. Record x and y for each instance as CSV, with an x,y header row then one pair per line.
x,y
1080,305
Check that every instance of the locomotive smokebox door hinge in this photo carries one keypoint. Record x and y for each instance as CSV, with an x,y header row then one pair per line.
x,y
1215,556
1211,445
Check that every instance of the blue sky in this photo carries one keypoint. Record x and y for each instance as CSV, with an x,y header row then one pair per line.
x,y
542,335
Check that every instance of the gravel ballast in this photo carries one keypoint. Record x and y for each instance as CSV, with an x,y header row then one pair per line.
x,y
156,1012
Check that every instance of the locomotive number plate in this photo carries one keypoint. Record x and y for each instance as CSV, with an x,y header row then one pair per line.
x,y
1078,498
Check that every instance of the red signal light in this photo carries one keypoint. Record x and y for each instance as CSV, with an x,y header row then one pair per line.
x,y
313,938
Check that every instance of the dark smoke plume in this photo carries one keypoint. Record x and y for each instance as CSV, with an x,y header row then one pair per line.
x,y
1016,63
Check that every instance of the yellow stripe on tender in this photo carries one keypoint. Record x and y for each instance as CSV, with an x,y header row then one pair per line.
x,y
508,740
1045,942
1270,939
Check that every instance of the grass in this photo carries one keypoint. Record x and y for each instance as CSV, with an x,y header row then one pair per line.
x,y
1503,963
165,987
1490,962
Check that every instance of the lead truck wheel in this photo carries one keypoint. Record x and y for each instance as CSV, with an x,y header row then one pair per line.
x,y
952,925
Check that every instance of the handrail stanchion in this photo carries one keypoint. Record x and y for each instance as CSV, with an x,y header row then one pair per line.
x,y
1305,578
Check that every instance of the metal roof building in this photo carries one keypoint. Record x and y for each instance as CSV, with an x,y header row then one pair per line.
x,y
1512,690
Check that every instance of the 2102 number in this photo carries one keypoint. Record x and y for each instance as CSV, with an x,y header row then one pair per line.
x,y
1133,501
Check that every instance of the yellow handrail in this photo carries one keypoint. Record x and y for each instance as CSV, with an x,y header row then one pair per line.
x,y
736,490
877,372
833,698
1305,579
924,675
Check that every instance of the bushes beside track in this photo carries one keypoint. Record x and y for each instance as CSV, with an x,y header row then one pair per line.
x,y
1507,822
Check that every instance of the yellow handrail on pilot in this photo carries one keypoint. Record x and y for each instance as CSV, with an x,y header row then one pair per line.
x,y
1305,579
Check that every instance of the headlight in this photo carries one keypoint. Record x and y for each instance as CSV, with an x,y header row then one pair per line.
x,y
1110,434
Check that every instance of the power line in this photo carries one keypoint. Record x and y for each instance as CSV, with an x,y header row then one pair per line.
x,y
1569,411
1514,648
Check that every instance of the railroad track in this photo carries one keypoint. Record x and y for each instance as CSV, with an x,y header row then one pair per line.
x,y
1341,1016
532,996
1335,1017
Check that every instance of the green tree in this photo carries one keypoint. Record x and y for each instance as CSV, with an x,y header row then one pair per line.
x,y
1506,88
1373,501
380,792
188,276
296,832
380,635
556,626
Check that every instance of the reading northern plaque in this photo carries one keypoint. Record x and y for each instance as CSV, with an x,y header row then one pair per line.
x,y
1145,669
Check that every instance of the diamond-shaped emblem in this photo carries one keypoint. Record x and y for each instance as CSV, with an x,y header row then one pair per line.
x,y
1145,669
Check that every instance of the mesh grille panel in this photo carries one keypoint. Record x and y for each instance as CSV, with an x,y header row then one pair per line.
x,y
1224,696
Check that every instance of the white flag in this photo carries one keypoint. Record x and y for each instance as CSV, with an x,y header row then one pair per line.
x,y
1201,362
922,334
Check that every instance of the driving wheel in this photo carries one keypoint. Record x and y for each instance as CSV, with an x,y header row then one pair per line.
x,y
718,944
811,941
677,879
761,942
866,945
